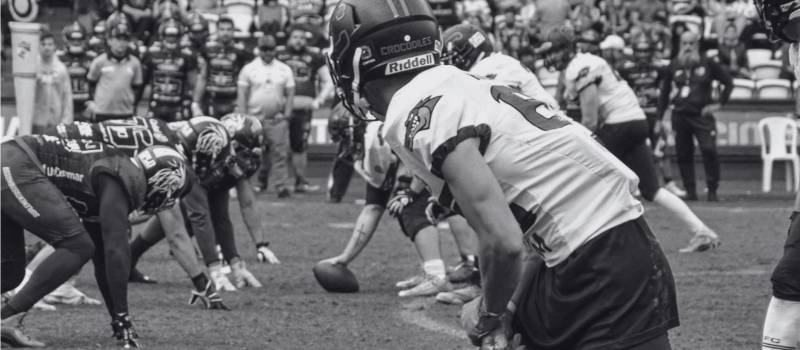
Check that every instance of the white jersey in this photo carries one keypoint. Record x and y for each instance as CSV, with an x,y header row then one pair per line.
x,y
618,102
794,59
378,157
507,70
562,186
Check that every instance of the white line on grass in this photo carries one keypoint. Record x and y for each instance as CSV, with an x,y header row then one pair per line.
x,y
743,272
414,313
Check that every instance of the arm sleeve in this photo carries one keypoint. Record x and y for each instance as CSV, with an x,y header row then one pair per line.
x,y
725,79
114,208
94,71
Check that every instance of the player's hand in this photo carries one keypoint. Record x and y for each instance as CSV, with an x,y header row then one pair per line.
x,y
435,211
336,260
90,107
490,333
400,201
196,110
315,104
265,255
707,110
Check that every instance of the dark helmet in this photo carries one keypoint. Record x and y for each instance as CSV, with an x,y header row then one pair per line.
x,y
339,123
99,29
643,49
118,26
589,41
165,171
207,143
197,26
780,17
170,32
75,37
465,45
376,39
247,138
558,48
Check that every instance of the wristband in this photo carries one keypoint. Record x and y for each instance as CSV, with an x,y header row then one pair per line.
x,y
262,244
512,308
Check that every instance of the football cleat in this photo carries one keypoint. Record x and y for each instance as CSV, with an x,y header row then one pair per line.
x,y
460,296
123,330
703,240
69,295
137,276
672,187
431,286
242,277
306,187
462,272
12,333
221,282
411,281
209,297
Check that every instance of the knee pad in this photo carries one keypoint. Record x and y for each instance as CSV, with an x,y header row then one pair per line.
x,y
80,245
13,274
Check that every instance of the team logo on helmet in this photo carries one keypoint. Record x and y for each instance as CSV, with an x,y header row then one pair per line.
x,y
168,180
212,140
420,119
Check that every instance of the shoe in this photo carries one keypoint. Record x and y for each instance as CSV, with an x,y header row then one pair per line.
x,y
460,296
411,281
673,187
712,197
461,273
13,333
123,330
431,286
284,193
137,276
703,240
305,187
691,197
335,199
209,297
69,295
220,281
242,277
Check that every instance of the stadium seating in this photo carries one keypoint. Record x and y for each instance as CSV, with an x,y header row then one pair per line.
x,y
767,70
694,23
241,12
743,89
758,56
778,134
773,89
550,85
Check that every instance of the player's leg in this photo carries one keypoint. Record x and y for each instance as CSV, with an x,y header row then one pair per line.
x,y
415,225
150,235
223,228
467,271
684,148
341,172
299,130
198,220
783,314
12,244
705,130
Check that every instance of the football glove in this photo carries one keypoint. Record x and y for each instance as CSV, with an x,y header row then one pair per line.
x,y
400,201
124,331
242,277
265,255
487,330
209,297
435,212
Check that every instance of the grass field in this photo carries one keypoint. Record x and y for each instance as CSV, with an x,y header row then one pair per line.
x,y
722,294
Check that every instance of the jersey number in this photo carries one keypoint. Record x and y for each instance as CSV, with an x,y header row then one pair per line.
x,y
537,113
129,137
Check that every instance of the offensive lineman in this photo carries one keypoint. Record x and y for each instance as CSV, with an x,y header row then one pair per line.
x,y
78,60
47,184
610,109
500,157
782,19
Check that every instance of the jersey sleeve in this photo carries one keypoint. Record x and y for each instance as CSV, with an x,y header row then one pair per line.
x,y
582,73
138,78
94,70
242,78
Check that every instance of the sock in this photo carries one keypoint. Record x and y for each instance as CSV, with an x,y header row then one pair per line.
x,y
200,282
469,260
781,325
435,268
679,209
138,247
58,268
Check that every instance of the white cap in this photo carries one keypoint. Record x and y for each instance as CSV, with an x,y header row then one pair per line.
x,y
612,42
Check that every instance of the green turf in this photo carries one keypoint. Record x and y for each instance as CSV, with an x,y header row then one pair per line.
x,y
722,294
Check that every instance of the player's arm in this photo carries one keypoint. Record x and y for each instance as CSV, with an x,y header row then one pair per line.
x,y
137,83
288,91
483,204
66,97
178,238
366,224
325,85
199,86
666,90
242,90
724,79
252,219
114,209
590,107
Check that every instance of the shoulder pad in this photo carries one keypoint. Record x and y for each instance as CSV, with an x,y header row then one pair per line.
x,y
312,49
60,54
238,46
187,51
280,48
91,54
154,48
211,45
628,64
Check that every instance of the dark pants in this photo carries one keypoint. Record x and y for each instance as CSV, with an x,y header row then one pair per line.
x,y
786,276
628,142
341,172
704,129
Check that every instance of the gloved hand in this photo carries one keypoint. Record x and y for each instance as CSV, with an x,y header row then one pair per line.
x,y
124,331
435,211
265,255
400,201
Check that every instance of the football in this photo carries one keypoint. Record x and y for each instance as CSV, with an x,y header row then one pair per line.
x,y
336,278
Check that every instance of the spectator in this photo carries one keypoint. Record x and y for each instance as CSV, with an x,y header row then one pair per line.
x,y
611,49
272,17
446,12
584,15
78,61
685,8
551,13
660,34
212,7
141,15
589,39
511,30
691,74
733,54
225,59
115,77
53,88
617,17
477,12
310,14
266,91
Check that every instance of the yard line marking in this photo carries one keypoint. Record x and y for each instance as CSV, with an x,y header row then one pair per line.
x,y
743,272
414,313
342,225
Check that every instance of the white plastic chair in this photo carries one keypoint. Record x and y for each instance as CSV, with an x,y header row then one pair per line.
x,y
241,12
743,89
758,56
773,89
694,23
767,70
778,144
796,88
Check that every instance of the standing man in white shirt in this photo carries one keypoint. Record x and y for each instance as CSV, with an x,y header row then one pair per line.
x,y
53,88
266,91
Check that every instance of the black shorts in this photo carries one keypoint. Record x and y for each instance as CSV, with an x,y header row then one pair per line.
x,y
299,129
166,113
786,276
413,218
628,142
613,292
31,202
219,107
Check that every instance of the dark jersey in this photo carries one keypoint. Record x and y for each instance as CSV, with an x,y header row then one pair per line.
x,y
128,135
224,64
78,68
75,165
167,70
645,80
445,12
694,85
305,65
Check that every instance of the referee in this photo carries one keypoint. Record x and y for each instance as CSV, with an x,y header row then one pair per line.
x,y
687,83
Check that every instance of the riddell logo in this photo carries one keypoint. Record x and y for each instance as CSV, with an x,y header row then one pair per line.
x,y
409,64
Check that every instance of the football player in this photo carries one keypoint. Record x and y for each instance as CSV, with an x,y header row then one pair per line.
x,y
348,133
194,41
49,186
406,199
610,109
523,177
78,60
225,59
782,19
468,47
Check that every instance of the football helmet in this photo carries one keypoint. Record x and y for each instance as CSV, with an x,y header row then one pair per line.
x,y
643,50
465,45
372,40
781,18
339,123
75,37
589,42
170,32
197,26
206,141
118,26
165,171
558,48
247,139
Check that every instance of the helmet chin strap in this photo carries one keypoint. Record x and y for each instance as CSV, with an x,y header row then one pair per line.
x,y
358,100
